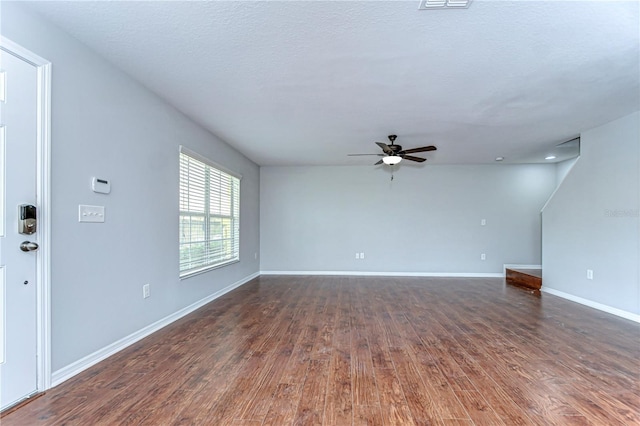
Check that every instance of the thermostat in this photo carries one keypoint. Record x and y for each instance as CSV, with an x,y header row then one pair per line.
x,y
102,186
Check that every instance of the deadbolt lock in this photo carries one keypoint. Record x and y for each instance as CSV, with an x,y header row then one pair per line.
x,y
27,223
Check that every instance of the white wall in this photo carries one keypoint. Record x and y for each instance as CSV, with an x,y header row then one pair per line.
x,y
563,168
427,220
105,124
592,221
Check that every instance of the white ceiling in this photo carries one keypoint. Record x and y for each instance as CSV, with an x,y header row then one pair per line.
x,y
307,82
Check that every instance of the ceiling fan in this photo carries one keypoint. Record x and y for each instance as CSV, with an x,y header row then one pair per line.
x,y
393,154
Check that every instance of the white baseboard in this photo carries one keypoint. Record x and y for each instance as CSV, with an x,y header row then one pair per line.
x,y
76,367
518,266
391,274
615,311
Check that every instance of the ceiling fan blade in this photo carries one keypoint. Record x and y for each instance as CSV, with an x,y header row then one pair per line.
x,y
357,155
384,147
379,162
412,158
421,149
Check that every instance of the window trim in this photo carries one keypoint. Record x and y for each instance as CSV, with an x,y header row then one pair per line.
x,y
205,160
213,164
207,269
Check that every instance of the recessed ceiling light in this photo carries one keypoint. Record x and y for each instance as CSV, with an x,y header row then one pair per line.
x,y
550,157
499,158
444,4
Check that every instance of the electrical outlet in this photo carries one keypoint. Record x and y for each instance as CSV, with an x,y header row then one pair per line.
x,y
361,255
483,222
357,255
483,256
146,291
589,274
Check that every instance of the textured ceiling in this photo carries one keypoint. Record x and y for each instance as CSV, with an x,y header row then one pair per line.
x,y
306,82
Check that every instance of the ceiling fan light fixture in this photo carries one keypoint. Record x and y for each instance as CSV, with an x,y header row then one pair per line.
x,y
392,159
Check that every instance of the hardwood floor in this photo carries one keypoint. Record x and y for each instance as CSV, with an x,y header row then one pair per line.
x,y
365,351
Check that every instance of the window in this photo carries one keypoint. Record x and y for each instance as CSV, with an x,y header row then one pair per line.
x,y
209,214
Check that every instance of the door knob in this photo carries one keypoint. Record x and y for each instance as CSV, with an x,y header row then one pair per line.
x,y
28,246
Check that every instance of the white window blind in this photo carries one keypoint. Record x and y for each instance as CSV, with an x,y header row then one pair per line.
x,y
209,214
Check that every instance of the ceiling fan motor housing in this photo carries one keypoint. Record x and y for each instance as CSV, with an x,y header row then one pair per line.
x,y
393,147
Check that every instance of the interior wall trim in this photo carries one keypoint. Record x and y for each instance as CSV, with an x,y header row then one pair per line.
x,y
391,274
599,306
517,266
82,364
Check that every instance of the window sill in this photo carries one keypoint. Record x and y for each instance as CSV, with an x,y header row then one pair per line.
x,y
207,269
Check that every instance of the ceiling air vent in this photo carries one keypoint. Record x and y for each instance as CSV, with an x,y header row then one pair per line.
x,y
444,4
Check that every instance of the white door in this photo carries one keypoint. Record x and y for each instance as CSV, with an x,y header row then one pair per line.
x,y
18,287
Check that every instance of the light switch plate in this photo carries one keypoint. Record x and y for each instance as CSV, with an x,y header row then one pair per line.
x,y
92,214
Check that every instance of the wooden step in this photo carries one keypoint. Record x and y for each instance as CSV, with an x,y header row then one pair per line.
x,y
527,278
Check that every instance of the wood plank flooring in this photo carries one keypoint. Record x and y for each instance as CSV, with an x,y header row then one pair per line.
x,y
285,350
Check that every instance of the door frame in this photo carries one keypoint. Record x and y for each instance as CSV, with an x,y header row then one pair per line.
x,y
43,199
